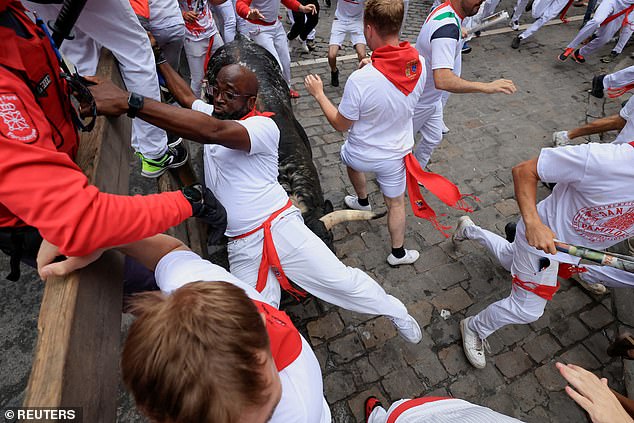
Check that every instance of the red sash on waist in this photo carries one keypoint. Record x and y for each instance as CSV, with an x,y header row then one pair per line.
x,y
286,343
618,92
566,270
544,291
438,185
625,11
407,405
270,258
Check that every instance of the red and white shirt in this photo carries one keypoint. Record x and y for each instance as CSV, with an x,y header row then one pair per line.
x,y
268,8
204,26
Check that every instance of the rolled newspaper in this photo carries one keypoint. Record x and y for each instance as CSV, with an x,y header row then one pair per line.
x,y
618,261
489,21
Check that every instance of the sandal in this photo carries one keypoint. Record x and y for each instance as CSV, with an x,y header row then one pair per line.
x,y
623,346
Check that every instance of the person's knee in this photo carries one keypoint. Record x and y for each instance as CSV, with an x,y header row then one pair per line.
x,y
530,316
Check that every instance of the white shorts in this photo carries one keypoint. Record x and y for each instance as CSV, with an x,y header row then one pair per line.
x,y
390,174
340,29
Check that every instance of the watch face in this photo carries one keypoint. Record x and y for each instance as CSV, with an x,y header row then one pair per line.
x,y
192,194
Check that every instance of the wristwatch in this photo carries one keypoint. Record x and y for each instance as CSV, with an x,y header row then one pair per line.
x,y
135,103
194,194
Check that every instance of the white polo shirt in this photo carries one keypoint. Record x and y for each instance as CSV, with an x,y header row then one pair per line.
x,y
349,10
302,387
245,182
382,115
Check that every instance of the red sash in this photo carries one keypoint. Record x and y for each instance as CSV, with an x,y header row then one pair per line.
x,y
618,92
544,291
270,258
438,185
286,343
407,405
562,16
566,271
625,11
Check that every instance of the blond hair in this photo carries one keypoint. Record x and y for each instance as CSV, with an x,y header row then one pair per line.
x,y
386,16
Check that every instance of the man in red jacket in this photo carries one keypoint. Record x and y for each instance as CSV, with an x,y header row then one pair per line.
x,y
41,189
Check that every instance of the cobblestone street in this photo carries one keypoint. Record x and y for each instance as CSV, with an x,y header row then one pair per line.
x,y
363,355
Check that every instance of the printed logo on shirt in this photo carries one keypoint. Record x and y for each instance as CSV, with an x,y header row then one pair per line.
x,y
411,68
612,222
43,85
15,122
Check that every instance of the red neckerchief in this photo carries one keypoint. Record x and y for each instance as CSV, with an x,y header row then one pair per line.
x,y
400,65
543,291
255,112
438,185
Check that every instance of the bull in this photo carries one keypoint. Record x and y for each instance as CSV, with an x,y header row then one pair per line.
x,y
297,172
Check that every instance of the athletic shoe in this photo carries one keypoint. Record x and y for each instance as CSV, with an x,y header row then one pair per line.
x,y
303,46
509,231
370,404
577,57
516,42
597,86
529,6
410,257
466,48
175,156
328,4
334,78
610,58
560,138
477,33
445,130
515,25
408,329
473,345
563,56
352,201
459,234
293,93
593,288
311,45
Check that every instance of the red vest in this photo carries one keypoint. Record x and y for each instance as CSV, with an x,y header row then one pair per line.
x,y
33,60
286,343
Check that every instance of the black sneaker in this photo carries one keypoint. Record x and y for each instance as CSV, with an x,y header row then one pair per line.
x,y
328,4
577,57
311,45
610,58
175,156
597,86
334,78
529,6
516,42
509,231
466,48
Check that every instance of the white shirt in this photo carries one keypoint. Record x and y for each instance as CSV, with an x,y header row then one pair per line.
x,y
245,183
204,26
627,133
382,115
302,387
164,14
592,204
450,411
349,10
439,42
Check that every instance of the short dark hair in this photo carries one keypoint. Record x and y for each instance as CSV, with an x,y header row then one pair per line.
x,y
386,16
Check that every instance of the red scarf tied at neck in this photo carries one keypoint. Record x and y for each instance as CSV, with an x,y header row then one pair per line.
x,y
400,65
255,112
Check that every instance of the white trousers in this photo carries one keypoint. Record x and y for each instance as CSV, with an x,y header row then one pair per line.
x,y
309,263
113,24
619,79
273,38
603,35
625,35
227,12
171,40
551,11
605,9
520,7
487,8
196,52
428,120
521,306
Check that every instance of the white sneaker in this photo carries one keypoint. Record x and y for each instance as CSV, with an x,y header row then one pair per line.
x,y
594,288
303,46
352,201
410,257
515,25
408,329
445,130
459,234
560,138
473,345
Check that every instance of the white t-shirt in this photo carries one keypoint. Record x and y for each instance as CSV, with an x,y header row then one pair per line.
x,y
439,42
245,183
382,115
204,27
450,411
349,10
164,14
592,204
302,387
627,133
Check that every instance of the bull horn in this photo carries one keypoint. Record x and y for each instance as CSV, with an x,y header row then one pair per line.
x,y
340,216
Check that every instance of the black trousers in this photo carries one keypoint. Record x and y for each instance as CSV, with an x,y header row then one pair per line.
x,y
304,23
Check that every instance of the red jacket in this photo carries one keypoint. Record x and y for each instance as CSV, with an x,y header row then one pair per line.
x,y
40,185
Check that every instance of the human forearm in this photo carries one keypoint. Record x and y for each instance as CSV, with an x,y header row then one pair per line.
x,y
177,86
445,79
628,404
150,251
330,111
598,126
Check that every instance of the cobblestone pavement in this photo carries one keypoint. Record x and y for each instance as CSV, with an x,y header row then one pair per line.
x,y
362,355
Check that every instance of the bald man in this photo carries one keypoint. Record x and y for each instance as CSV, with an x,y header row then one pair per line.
x,y
241,167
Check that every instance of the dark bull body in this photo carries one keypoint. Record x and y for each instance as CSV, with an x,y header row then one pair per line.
x,y
297,173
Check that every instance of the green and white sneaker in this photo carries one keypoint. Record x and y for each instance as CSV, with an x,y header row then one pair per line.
x,y
175,156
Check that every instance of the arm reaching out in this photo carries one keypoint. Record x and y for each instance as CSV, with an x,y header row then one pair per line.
x,y
445,79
